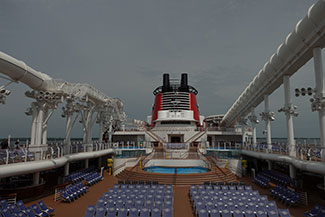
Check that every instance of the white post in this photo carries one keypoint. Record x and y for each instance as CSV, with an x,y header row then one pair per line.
x,y
99,162
320,93
36,178
243,133
269,165
253,128
86,163
267,124
44,127
101,130
289,117
39,126
68,127
66,169
34,121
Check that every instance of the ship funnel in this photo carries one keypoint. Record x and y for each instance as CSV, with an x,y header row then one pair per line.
x,y
184,82
166,84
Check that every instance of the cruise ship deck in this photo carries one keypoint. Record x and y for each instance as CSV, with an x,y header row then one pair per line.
x,y
176,161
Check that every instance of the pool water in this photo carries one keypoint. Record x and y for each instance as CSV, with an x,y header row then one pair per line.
x,y
179,170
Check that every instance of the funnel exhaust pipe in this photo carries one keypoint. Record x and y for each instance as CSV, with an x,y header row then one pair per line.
x,y
166,83
184,82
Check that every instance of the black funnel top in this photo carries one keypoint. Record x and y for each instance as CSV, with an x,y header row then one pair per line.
x,y
166,84
184,82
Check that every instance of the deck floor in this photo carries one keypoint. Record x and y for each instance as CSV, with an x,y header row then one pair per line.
x,y
182,206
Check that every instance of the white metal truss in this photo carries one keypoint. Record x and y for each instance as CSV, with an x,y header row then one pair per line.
x,y
292,54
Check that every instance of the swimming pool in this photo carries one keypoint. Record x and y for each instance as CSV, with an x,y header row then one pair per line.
x,y
179,170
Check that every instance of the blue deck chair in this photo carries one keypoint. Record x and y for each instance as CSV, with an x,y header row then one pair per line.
x,y
4,204
226,213
168,204
144,212
158,205
261,213
314,211
155,212
119,204
248,188
249,213
138,204
203,213
100,211
90,211
129,203
21,214
240,188
122,212
13,208
321,213
197,206
209,205
38,211
133,212
271,205
148,204
159,198
111,212
167,212
237,213
273,213
214,213
100,202
30,212
44,208
284,213
150,196
21,205
6,213
67,197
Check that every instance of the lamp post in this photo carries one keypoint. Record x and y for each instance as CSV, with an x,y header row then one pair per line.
x,y
267,116
253,119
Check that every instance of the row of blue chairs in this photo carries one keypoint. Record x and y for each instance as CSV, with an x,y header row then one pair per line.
x,y
92,211
261,180
285,195
317,211
134,200
19,209
211,202
141,187
279,178
92,178
78,176
74,191
247,213
222,187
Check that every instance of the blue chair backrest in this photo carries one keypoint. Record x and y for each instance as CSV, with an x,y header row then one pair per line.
x,y
100,212
6,212
90,211
30,212
284,212
111,212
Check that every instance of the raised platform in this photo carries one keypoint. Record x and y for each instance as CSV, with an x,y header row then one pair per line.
x,y
216,174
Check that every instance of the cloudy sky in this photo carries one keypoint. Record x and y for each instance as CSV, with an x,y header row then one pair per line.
x,y
122,47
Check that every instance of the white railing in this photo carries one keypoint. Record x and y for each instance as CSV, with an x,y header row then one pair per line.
x,y
310,152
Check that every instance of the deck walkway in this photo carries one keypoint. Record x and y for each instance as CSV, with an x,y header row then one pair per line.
x,y
182,206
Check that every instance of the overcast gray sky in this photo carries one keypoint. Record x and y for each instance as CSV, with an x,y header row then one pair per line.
x,y
122,47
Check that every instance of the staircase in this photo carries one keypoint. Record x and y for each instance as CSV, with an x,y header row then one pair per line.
x,y
196,136
154,136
